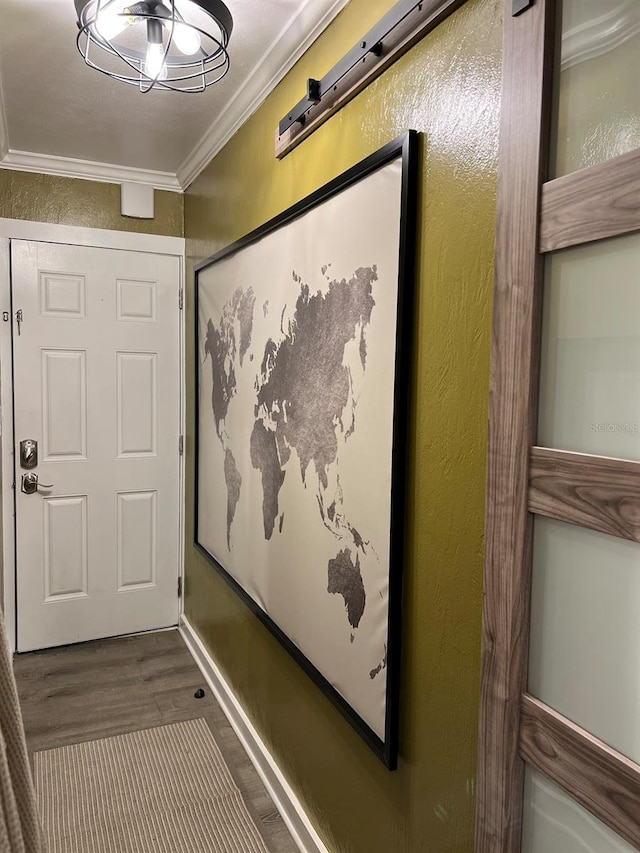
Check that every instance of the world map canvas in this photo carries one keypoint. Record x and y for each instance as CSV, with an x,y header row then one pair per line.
x,y
297,428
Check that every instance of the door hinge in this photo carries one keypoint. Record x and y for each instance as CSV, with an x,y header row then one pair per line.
x,y
180,299
520,6
181,445
180,587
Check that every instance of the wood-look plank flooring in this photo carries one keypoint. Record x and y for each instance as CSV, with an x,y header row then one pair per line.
x,y
109,687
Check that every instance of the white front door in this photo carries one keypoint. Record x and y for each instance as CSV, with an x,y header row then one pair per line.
x,y
97,386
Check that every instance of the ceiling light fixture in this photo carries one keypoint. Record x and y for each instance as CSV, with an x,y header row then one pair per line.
x,y
174,45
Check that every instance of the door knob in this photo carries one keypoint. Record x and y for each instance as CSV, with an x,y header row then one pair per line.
x,y
30,483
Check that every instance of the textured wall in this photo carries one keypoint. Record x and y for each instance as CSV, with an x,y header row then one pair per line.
x,y
447,87
70,201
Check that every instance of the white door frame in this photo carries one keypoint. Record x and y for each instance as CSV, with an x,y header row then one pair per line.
x,y
15,229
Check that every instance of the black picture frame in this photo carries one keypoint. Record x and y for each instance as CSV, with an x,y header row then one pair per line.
x,y
403,148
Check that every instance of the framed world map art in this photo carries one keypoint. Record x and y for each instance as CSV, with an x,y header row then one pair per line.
x,y
303,353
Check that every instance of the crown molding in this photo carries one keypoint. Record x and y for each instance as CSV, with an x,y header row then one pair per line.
x,y
600,35
281,55
89,170
310,21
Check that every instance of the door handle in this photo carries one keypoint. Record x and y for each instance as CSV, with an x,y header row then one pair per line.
x,y
30,484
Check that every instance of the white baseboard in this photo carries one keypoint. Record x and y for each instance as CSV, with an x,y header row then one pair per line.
x,y
283,796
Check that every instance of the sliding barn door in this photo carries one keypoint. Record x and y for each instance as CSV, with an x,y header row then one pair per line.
x,y
559,762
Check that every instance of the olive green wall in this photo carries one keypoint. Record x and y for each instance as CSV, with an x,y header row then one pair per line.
x,y
447,87
91,204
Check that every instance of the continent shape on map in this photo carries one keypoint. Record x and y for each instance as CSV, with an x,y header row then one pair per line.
x,y
344,579
234,481
304,386
220,345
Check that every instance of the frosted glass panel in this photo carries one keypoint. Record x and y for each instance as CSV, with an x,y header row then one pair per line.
x,y
584,655
598,107
554,823
590,369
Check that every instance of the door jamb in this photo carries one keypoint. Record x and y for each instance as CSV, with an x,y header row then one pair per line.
x,y
98,238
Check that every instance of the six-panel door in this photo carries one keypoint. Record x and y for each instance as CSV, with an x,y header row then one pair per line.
x,y
97,385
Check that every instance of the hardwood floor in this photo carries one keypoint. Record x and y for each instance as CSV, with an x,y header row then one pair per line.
x,y
108,687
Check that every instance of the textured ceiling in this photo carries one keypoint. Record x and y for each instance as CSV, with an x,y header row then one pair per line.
x,y
55,105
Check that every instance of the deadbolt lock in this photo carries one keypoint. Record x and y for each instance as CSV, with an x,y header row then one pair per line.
x,y
28,453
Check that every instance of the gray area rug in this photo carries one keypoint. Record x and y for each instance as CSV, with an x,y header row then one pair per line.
x,y
161,790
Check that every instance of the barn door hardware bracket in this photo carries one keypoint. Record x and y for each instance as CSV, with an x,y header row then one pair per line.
x,y
373,40
394,34
520,6
313,91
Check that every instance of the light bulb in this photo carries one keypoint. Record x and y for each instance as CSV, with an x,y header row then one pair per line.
x,y
113,20
154,65
186,39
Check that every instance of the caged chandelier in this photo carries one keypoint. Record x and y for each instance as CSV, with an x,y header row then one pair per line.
x,y
174,45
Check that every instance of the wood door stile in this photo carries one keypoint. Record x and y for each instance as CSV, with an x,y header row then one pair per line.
x,y
514,371
591,204
601,779
597,492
